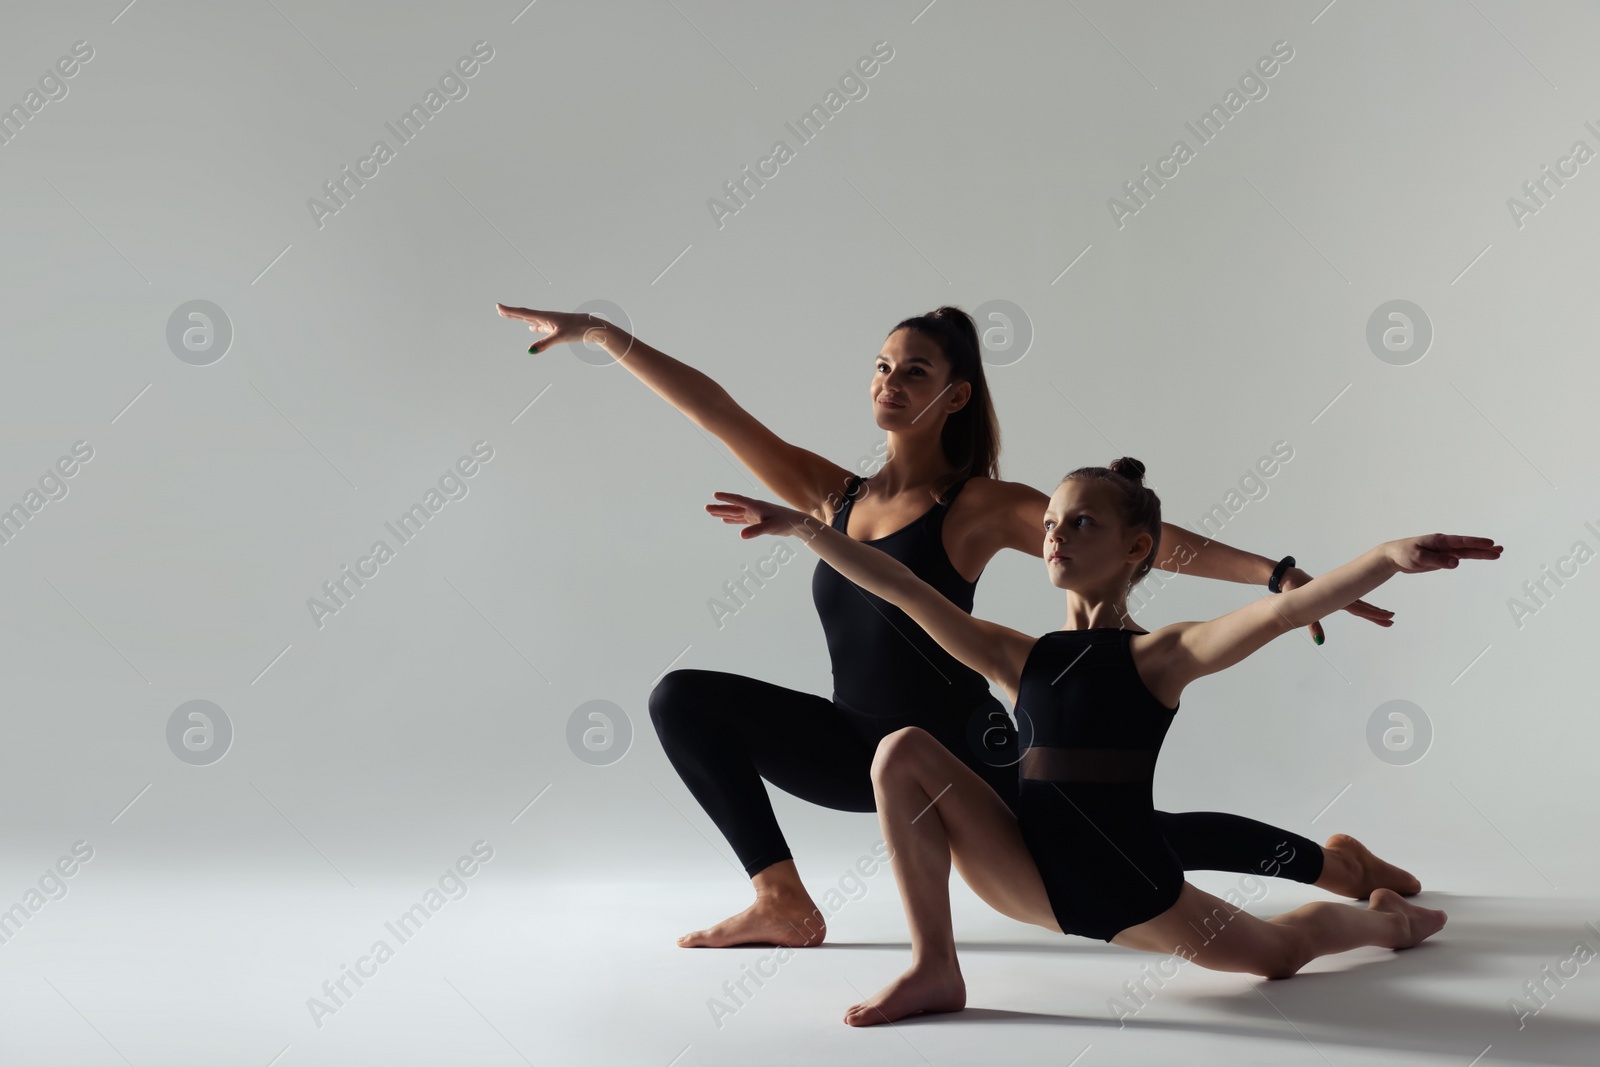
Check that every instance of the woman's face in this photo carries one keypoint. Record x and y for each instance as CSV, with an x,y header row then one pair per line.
x,y
1085,543
911,387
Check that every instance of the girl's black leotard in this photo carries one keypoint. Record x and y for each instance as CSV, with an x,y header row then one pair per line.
x,y
725,732
1091,733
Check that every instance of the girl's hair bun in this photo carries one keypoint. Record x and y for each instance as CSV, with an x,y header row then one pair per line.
x,y
1129,468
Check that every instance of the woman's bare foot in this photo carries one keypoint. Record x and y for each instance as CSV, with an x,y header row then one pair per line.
x,y
1350,869
772,920
1419,924
922,988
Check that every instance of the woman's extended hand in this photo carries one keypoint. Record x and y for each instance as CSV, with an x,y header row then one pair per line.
x,y
1294,577
1432,552
760,516
561,327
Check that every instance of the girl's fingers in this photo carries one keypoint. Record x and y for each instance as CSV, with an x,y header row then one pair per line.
x,y
1465,541
731,513
1464,546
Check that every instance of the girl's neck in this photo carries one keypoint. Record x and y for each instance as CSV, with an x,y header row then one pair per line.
x,y
1088,614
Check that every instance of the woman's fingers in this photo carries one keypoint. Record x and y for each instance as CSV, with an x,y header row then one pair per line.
x,y
1362,609
526,314
539,322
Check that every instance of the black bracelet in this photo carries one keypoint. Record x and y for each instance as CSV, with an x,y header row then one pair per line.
x,y
1277,572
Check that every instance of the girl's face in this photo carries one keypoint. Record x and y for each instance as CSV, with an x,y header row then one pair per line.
x,y
911,387
1086,545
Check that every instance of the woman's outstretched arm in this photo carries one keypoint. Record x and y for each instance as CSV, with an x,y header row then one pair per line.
x,y
1188,650
801,477
1182,551
997,652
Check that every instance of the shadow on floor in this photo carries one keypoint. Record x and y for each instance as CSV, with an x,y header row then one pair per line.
x,y
1385,1002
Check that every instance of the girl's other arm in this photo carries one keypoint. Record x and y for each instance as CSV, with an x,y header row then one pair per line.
x,y
1189,650
1181,552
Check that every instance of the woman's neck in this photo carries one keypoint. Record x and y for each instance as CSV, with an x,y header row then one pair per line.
x,y
912,465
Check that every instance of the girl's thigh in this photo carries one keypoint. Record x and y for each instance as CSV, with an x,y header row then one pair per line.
x,y
986,845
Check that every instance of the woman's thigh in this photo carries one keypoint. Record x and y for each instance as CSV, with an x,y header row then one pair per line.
x,y
819,751
986,845
800,742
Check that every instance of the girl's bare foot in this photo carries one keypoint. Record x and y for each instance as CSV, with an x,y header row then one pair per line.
x,y
1350,869
1418,924
774,919
922,988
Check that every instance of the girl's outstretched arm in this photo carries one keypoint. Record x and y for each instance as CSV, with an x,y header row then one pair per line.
x,y
1020,509
1188,650
997,652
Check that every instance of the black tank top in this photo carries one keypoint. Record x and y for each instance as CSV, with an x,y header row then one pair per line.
x,y
1083,712
1090,731
884,664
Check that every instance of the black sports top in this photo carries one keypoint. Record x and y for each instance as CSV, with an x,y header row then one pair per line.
x,y
884,664
1080,689
1090,731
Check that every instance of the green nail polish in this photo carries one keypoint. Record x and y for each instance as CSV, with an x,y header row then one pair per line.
x,y
1317,639
533,347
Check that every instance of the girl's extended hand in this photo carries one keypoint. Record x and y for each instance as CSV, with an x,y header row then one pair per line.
x,y
561,327
759,516
1432,552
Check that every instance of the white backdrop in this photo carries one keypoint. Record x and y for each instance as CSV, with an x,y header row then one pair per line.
x,y
349,355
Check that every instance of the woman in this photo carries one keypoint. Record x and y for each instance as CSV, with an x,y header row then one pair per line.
x,y
939,507
1084,852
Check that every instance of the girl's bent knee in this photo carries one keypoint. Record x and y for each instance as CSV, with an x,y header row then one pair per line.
x,y
1284,959
897,751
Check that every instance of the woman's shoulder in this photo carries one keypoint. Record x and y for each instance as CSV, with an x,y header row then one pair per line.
x,y
1007,513
1000,492
843,488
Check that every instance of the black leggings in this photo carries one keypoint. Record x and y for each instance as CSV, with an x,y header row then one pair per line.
x,y
725,732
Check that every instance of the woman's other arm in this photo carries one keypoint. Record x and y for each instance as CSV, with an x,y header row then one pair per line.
x,y
801,477
1019,519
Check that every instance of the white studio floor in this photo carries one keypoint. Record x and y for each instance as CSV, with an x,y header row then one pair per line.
x,y
529,971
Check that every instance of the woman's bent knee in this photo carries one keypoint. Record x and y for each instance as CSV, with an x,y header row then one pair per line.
x,y
679,692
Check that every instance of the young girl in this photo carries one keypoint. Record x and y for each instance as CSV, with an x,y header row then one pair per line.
x,y
1084,853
